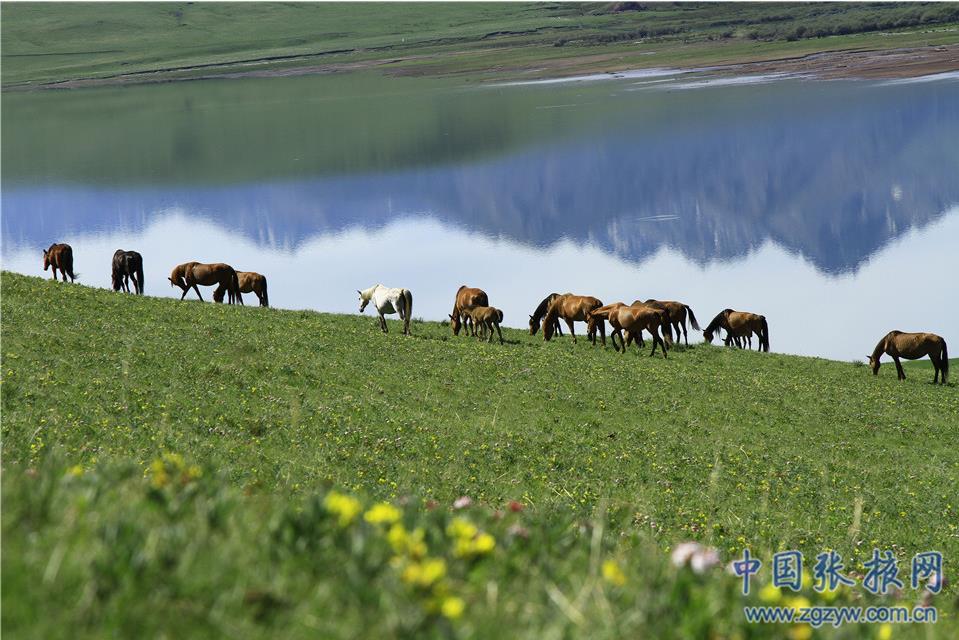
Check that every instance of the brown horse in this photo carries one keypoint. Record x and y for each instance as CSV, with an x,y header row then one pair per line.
x,y
739,325
59,256
571,309
487,318
540,312
191,274
634,319
912,346
127,265
466,297
609,313
678,312
250,282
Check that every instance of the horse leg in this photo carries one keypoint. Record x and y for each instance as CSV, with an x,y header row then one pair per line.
x,y
63,272
572,331
383,326
602,332
902,374
936,365
655,334
558,328
197,289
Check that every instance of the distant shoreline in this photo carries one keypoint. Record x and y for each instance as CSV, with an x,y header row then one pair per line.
x,y
897,63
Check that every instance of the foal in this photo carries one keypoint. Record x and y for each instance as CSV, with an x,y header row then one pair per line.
x,y
487,318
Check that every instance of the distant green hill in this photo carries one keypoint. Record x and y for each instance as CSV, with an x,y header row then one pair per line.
x,y
165,465
55,42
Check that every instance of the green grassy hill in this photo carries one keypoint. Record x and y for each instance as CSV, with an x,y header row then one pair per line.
x,y
167,468
55,42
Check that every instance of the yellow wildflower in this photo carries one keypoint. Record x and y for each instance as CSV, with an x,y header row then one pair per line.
x,y
158,475
770,593
800,632
453,607
885,631
406,543
346,508
75,471
424,574
382,513
462,529
798,603
613,574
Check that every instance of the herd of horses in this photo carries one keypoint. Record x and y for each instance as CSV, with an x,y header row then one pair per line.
x,y
472,314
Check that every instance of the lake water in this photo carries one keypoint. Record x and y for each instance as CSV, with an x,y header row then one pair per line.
x,y
793,198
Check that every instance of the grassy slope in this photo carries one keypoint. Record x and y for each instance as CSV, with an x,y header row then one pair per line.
x,y
56,42
726,447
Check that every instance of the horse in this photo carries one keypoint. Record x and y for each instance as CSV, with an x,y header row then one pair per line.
x,y
190,274
127,265
912,346
634,319
609,313
571,308
466,297
678,312
250,282
485,317
739,325
388,301
537,317
60,256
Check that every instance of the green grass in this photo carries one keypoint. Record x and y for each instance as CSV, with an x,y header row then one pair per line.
x,y
614,457
55,42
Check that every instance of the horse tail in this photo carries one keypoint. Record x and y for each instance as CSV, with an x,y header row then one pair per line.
x,y
266,297
764,337
115,277
668,327
408,297
235,285
68,265
692,318
499,316
139,272
945,361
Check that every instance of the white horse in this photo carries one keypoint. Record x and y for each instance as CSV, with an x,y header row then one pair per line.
x,y
390,301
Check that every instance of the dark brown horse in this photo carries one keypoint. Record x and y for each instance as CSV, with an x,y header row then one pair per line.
x,y
466,297
571,309
190,274
127,265
250,282
678,312
59,256
912,346
487,318
739,325
540,312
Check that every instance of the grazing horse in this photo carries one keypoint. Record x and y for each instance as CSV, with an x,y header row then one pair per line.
x,y
487,318
127,265
190,274
912,346
59,256
571,309
537,317
466,297
609,313
739,325
250,282
634,319
678,312
389,301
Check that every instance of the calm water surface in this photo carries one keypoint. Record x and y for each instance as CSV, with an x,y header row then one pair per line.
x,y
797,199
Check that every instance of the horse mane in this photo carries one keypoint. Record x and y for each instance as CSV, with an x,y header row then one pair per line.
x,y
544,306
716,322
881,346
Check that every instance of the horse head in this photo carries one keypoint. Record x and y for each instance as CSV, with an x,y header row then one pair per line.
x,y
708,336
46,259
533,326
874,364
455,323
363,301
